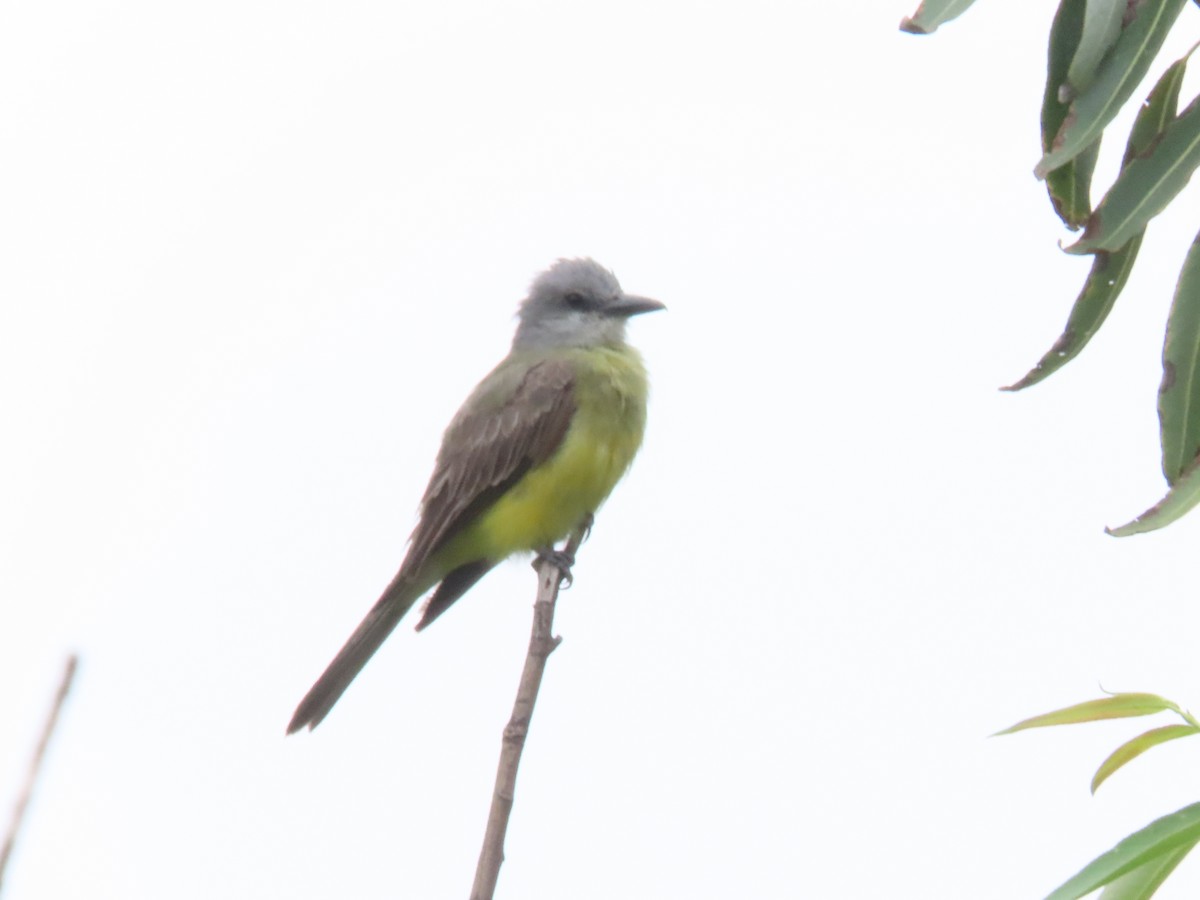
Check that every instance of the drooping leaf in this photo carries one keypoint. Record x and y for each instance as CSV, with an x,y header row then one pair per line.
x,y
1172,834
1178,405
1132,749
932,13
1116,79
1109,271
1117,706
1179,393
1069,186
1142,882
1180,499
1145,186
1104,283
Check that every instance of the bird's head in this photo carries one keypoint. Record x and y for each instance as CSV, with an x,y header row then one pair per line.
x,y
577,303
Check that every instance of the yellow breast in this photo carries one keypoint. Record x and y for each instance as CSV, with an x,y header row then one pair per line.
x,y
603,438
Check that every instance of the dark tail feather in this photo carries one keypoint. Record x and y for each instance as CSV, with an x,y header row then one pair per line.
x,y
452,587
384,616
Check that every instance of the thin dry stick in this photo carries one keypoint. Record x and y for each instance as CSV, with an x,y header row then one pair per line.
x,y
35,764
542,643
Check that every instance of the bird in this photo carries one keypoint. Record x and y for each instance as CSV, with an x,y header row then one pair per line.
x,y
531,454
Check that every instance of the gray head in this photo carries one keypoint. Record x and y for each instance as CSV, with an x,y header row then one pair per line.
x,y
577,303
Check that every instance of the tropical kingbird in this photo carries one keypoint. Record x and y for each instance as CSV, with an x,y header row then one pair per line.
x,y
532,453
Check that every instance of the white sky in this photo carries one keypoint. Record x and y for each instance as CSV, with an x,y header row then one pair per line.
x,y
252,257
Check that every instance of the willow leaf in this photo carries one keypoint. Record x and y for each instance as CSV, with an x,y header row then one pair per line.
x,y
1069,186
1145,186
1142,882
1180,499
932,13
1110,271
1101,26
1117,706
1115,82
1172,834
1104,283
1179,393
1134,748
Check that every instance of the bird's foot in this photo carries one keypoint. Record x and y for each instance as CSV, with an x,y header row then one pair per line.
x,y
586,527
561,560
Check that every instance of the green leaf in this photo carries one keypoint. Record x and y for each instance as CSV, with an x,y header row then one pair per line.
x,y
1157,112
1178,405
1117,706
1116,80
1131,750
932,13
1180,499
1179,393
1142,882
1145,186
1069,186
1101,25
1171,835
1104,283
1109,271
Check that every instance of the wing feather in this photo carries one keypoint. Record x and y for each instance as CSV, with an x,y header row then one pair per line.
x,y
488,447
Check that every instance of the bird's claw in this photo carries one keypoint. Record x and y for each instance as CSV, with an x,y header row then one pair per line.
x,y
561,560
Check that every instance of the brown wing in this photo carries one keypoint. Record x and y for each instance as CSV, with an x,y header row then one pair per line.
x,y
515,420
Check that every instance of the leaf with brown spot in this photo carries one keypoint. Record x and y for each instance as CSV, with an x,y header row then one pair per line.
x,y
1115,81
1180,499
1104,283
1179,393
1110,271
1145,186
932,13
1069,186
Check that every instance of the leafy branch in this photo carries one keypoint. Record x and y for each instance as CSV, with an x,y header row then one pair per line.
x,y
1139,864
1099,52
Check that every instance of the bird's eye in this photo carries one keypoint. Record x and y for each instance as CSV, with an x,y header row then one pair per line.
x,y
576,301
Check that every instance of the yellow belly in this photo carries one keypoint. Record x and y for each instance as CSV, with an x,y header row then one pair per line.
x,y
551,500
603,437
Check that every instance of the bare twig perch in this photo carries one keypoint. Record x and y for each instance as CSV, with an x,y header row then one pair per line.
x,y
551,574
35,765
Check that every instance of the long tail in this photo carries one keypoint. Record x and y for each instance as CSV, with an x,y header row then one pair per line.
x,y
384,616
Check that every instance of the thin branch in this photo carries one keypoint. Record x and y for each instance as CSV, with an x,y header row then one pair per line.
x,y
552,572
35,765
